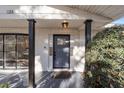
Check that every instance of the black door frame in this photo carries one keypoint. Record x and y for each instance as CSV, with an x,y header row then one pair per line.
x,y
54,50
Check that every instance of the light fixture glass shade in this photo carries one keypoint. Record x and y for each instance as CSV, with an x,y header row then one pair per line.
x,y
65,25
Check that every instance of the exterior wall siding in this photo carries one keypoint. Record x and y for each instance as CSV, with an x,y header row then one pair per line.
x,y
44,40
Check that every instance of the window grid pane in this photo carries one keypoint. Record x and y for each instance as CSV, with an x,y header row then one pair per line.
x,y
22,51
1,39
13,50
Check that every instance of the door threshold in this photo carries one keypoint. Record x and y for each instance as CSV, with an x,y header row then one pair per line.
x,y
58,70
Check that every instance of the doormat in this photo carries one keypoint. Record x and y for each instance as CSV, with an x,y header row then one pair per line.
x,y
61,75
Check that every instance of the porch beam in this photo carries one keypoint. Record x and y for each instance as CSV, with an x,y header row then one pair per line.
x,y
31,28
88,25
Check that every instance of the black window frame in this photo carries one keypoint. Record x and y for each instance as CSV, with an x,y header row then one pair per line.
x,y
16,34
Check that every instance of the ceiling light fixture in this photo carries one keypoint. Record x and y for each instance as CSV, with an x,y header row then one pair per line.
x,y
65,24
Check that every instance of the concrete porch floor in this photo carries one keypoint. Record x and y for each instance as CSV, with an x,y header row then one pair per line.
x,y
48,81
19,79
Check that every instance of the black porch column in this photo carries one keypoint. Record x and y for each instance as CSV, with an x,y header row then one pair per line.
x,y
87,31
31,28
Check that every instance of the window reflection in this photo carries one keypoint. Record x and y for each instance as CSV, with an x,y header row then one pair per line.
x,y
10,50
13,50
61,41
22,51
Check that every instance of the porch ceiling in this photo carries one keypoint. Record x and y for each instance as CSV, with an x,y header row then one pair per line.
x,y
53,16
110,11
101,14
104,13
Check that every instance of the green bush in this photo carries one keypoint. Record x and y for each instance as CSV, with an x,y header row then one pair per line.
x,y
4,85
105,59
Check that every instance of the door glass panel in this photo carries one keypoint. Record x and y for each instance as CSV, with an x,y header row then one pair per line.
x,y
10,51
61,51
22,51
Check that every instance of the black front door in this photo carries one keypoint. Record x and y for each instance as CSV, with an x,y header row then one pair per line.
x,y
61,51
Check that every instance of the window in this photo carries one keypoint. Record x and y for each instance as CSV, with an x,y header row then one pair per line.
x,y
13,50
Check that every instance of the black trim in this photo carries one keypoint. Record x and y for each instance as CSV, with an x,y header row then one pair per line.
x,y
88,25
13,34
16,34
16,52
54,49
3,54
88,30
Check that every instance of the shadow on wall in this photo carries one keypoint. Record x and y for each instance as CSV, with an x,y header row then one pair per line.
x,y
41,55
79,58
42,60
